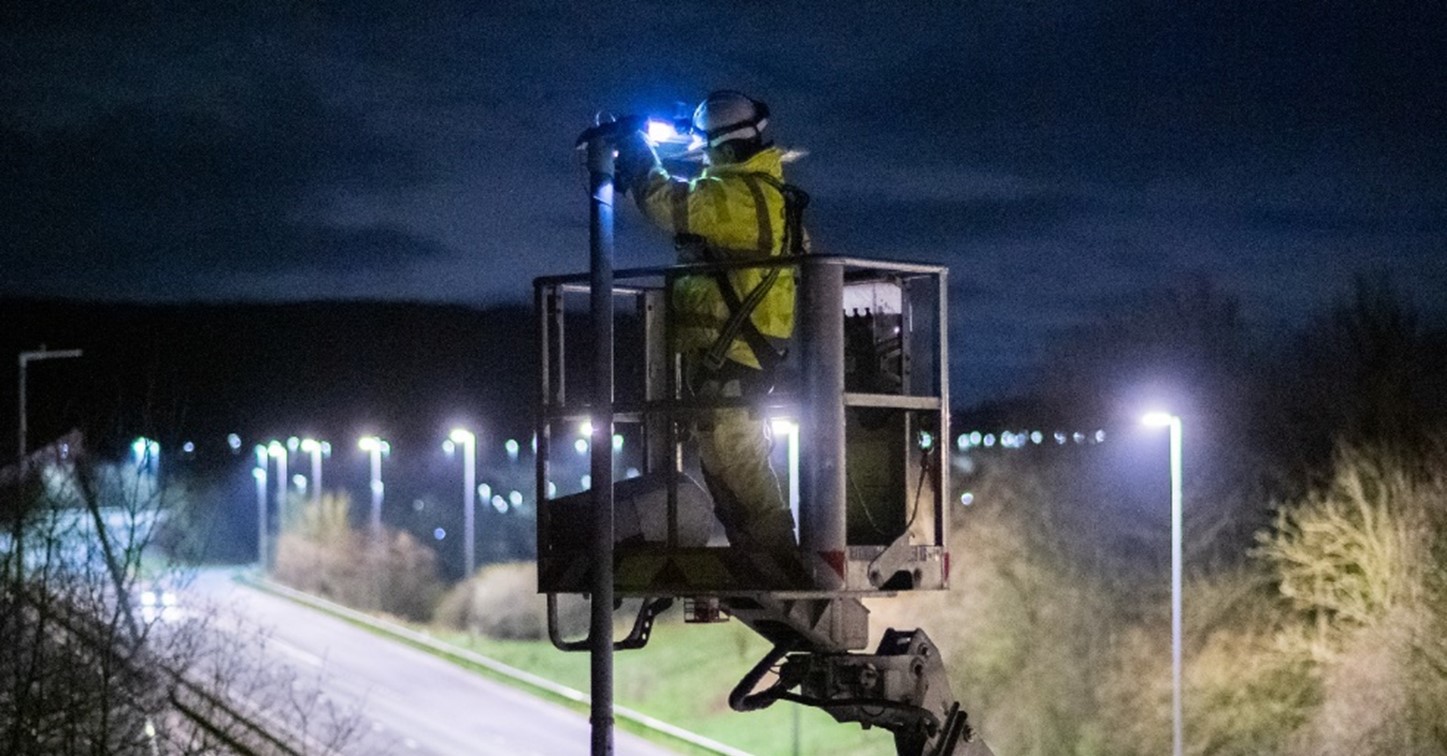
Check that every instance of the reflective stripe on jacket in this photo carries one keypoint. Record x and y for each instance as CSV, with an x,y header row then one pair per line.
x,y
740,217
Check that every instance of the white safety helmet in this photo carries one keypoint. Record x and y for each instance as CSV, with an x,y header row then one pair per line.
x,y
727,115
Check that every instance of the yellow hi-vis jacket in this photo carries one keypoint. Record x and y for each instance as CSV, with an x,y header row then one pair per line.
x,y
740,217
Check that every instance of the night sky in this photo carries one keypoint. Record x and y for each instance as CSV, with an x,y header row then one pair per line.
x,y
1060,157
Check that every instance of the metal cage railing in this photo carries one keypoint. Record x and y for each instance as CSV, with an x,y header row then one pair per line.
x,y
861,402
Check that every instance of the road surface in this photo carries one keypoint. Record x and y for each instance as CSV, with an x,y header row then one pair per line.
x,y
408,701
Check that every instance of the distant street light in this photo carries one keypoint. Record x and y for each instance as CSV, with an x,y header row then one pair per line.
x,y
1167,420
468,441
147,453
317,449
278,453
377,448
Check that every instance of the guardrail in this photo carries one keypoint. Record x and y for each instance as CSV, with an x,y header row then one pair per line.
x,y
492,665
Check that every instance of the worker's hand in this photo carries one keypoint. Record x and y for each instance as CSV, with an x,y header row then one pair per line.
x,y
635,159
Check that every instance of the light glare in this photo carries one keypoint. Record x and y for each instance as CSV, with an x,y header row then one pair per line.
x,y
1158,419
661,131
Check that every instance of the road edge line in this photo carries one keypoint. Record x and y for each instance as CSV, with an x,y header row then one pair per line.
x,y
492,665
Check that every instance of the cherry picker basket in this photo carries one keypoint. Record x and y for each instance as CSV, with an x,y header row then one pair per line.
x,y
859,412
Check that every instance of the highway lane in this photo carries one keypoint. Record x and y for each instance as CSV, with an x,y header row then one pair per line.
x,y
410,702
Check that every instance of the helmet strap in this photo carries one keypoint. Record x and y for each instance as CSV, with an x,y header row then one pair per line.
x,y
736,150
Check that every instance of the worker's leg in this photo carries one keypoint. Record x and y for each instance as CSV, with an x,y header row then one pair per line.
x,y
734,452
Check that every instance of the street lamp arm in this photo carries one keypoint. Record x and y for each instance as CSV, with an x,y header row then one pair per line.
x,y
48,354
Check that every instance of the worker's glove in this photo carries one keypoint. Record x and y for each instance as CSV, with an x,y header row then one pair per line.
x,y
635,159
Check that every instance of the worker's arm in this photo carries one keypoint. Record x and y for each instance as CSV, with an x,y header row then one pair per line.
x,y
680,206
674,204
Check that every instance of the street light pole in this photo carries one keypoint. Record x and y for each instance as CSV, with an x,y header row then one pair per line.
x,y
1173,422
468,440
315,449
24,360
599,144
377,448
278,452
259,473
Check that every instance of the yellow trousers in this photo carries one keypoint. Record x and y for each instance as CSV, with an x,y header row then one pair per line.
x,y
734,450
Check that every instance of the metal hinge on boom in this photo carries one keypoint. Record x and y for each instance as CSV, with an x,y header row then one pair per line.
x,y
902,687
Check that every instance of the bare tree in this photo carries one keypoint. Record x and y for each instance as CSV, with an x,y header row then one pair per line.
x,y
95,661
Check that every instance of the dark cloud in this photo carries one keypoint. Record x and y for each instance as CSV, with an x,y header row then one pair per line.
x,y
1345,221
143,194
940,225
1049,152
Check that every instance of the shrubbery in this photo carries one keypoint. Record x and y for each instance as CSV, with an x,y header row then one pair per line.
x,y
1362,570
319,552
502,601
1331,638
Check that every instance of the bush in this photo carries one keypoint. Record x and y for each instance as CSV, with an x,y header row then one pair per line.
x,y
1331,639
1030,625
502,601
1362,567
320,553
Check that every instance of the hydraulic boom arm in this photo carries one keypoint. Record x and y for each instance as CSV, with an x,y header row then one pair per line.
x,y
901,687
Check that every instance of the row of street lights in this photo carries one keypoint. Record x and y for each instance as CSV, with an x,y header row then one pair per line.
x,y
377,448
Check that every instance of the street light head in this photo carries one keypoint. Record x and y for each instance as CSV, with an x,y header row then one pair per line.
x,y
310,446
275,449
259,473
1159,419
461,436
369,443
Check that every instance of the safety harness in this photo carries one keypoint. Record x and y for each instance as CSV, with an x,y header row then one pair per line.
x,y
740,324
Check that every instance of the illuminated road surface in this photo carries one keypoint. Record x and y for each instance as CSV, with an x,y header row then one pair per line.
x,y
410,702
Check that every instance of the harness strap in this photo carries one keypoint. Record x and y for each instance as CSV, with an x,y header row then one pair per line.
x,y
740,323
678,206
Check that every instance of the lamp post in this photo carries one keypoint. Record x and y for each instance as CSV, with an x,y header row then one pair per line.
x,y
468,441
599,141
317,449
1167,420
278,453
24,360
259,473
377,448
